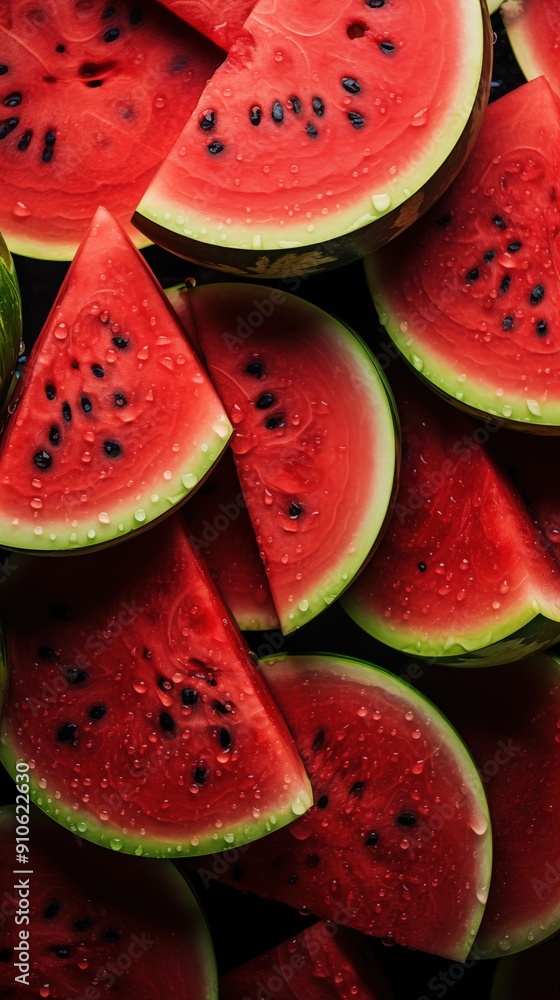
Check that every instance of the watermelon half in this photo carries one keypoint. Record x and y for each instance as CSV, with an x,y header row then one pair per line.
x,y
533,28
315,436
76,920
328,129
471,294
10,319
111,85
115,420
398,842
145,724
462,575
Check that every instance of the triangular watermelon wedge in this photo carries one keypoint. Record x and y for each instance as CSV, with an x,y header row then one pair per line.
x,y
115,420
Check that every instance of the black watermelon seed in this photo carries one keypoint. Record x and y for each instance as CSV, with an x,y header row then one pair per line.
x,y
164,684
7,126
208,121
135,16
47,154
443,221
237,874
50,391
166,722
75,364
46,653
318,741
112,449
312,860
273,422
86,404
295,510
215,147
5,954
67,732
111,35
97,712
406,819
54,435
211,682
507,323
42,459
505,283
60,950
189,696
26,138
489,256
375,3
3,69
120,342
200,775
107,13
255,115
499,222
350,85
515,246
296,105
357,788
537,295
371,839
264,401
97,370
318,106
387,48
355,119
75,676
472,275
225,739
541,328
66,412
111,934
292,880
82,923
12,100
218,706
120,399
255,368
311,130
323,802
422,567
51,910
146,653
50,138
277,112
94,83
60,48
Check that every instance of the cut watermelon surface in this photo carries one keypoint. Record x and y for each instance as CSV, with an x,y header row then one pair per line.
x,y
94,921
397,844
471,294
221,22
146,726
462,574
315,439
533,28
328,129
115,420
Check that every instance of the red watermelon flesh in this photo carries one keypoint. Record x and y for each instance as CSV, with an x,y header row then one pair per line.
x,y
99,924
145,722
511,728
397,844
471,294
222,22
221,531
324,962
461,575
115,420
110,85
316,464
535,973
533,28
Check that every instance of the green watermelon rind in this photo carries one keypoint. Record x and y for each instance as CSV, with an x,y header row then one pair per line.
x,y
452,383
494,5
10,319
365,673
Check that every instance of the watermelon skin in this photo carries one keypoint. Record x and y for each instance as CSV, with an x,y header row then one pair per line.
x,y
511,730
221,22
142,935
292,426
127,756
10,319
149,397
197,204
462,577
423,881
113,117
324,962
469,326
534,973
533,29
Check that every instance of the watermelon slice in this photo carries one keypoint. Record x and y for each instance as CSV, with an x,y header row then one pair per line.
x,y
96,922
324,962
328,129
317,472
115,420
111,87
511,730
222,22
535,973
10,319
398,843
462,576
533,28
471,295
146,726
